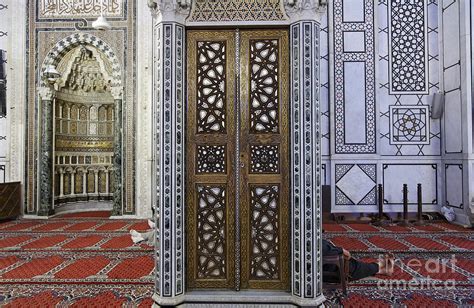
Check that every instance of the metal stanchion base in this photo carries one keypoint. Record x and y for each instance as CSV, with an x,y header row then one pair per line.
x,y
404,223
420,223
381,222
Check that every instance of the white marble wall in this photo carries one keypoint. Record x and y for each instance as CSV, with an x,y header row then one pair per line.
x,y
144,124
4,29
13,25
379,119
409,147
457,122
451,48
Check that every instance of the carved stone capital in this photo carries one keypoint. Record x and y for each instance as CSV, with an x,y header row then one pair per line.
x,y
117,92
305,9
46,93
169,10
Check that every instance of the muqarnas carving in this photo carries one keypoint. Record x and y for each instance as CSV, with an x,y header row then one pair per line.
x,y
86,75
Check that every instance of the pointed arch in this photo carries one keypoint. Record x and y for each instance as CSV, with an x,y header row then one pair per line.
x,y
62,47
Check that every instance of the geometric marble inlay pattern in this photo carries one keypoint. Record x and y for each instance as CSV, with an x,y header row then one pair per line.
x,y
237,10
211,96
211,159
264,158
409,68
362,55
409,125
211,225
264,86
264,213
408,46
356,184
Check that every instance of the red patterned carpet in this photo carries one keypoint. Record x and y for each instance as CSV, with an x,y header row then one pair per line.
x,y
76,260
434,265
88,260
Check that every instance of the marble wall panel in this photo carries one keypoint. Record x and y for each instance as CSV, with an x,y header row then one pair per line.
x,y
406,76
355,184
4,29
353,80
394,175
454,185
451,48
324,88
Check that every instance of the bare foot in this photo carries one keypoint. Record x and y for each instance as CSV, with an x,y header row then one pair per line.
x,y
390,262
386,265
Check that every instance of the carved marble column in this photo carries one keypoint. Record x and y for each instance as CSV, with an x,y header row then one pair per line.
x,y
117,93
106,182
305,168
168,105
61,182
45,207
84,182
96,182
73,182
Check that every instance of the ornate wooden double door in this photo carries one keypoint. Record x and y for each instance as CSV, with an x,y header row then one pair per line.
x,y
237,203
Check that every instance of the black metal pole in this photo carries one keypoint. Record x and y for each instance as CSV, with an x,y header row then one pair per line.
x,y
380,217
419,218
380,202
405,204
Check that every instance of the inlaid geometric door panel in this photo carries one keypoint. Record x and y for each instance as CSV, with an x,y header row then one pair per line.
x,y
264,154
237,160
210,143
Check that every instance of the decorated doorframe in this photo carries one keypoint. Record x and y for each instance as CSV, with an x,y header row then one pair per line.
x,y
237,179
171,19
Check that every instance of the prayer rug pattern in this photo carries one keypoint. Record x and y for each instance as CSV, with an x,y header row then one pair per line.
x,y
87,260
434,265
75,260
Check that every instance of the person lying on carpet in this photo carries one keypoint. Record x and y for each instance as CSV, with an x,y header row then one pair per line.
x,y
358,269
148,236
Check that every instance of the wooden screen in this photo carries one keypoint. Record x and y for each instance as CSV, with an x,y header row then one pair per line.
x,y
237,219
